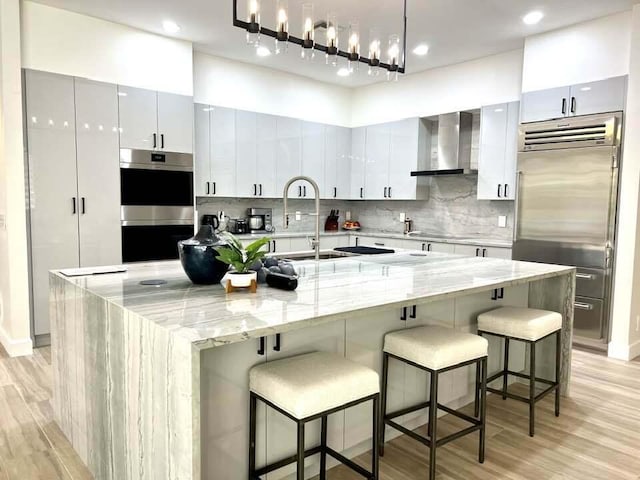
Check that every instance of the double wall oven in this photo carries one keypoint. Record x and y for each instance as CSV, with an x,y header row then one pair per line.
x,y
156,203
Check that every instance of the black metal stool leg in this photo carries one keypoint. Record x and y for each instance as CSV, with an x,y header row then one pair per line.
x,y
476,401
532,388
433,427
558,360
383,400
323,452
483,409
300,453
252,435
505,375
375,458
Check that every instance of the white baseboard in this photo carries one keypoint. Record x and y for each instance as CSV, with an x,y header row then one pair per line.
x,y
624,352
16,347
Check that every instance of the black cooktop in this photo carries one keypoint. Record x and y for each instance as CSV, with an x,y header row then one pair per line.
x,y
364,250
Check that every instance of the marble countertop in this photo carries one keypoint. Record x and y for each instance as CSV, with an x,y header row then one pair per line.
x,y
486,242
328,290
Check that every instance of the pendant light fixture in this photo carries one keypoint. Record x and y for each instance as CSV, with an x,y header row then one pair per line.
x,y
396,47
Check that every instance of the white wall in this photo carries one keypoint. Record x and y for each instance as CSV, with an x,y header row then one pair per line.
x,y
625,336
582,53
60,41
486,81
227,83
14,279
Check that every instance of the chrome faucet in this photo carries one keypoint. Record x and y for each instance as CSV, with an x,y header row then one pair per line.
x,y
315,243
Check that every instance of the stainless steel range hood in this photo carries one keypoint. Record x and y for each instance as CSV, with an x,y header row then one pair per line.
x,y
450,148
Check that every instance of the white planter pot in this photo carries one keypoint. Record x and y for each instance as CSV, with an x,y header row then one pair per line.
x,y
242,280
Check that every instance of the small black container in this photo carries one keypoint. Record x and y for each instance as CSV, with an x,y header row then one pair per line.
x,y
200,259
283,282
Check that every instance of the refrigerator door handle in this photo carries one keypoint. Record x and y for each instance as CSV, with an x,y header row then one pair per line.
x,y
517,206
583,306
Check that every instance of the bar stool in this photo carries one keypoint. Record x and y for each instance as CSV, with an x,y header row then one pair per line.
x,y
436,350
530,326
308,387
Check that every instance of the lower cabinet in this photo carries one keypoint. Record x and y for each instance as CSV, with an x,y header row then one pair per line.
x,y
482,251
427,246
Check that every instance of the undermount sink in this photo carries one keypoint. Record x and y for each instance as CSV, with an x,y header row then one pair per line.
x,y
324,255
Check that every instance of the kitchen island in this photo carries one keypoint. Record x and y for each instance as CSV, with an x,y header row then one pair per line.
x,y
151,382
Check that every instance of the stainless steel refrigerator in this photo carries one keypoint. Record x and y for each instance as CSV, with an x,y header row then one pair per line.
x,y
566,208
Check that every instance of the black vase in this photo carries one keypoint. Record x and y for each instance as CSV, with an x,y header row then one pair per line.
x,y
200,259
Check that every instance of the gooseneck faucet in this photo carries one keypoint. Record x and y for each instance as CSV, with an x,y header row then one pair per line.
x,y
315,243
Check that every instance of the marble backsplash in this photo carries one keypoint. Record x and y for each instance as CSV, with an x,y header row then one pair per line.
x,y
451,209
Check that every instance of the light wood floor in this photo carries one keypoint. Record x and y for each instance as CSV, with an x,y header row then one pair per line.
x,y
596,437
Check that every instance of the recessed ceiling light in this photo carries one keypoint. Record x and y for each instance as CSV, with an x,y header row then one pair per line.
x,y
343,72
170,26
263,51
421,49
532,18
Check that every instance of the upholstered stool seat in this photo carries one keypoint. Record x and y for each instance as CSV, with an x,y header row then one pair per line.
x,y
309,384
522,323
530,326
310,387
435,348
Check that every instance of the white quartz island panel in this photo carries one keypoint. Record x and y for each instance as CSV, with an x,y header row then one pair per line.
x,y
140,372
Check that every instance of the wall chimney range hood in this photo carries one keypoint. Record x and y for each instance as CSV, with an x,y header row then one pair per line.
x,y
449,148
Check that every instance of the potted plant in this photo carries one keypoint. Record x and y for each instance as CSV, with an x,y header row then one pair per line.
x,y
241,259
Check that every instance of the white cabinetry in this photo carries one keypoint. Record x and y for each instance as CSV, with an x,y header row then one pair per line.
x,y
155,120
583,99
337,166
427,246
246,145
289,155
313,156
498,151
482,251
358,163
378,150
74,181
265,170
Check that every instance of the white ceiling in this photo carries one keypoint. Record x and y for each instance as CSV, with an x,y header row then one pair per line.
x,y
455,30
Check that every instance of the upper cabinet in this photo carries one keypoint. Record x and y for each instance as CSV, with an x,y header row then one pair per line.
x,y
498,151
155,120
583,99
337,163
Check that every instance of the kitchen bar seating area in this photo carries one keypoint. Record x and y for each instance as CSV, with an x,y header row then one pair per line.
x,y
319,240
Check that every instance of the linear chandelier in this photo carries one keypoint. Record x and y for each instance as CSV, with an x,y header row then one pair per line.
x,y
395,61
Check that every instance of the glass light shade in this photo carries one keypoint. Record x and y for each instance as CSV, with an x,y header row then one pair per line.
x,y
394,51
282,25
332,39
308,31
374,51
354,39
253,20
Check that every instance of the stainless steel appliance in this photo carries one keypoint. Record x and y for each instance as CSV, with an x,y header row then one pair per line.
x,y
259,220
157,210
238,226
566,208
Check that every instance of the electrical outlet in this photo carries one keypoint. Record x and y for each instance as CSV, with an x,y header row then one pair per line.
x,y
347,215
403,217
502,221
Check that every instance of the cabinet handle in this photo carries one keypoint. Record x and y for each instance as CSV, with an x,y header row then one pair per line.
x,y
73,202
361,192
255,189
155,140
424,247
357,241
564,106
274,246
299,191
385,192
304,189
429,247
208,189
506,190
276,346
162,140
260,189
477,252
83,207
501,293
583,306
377,244
261,346
499,190
494,294
335,192
573,104
403,315
389,192
414,312
214,188
484,252
585,276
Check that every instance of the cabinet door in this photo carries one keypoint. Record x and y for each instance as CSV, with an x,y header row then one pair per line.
x,y
329,242
364,343
403,159
267,156
491,158
175,122
98,159
378,144
438,247
497,252
358,163
280,245
468,250
343,165
599,97
281,431
202,151
246,154
313,156
511,151
289,155
224,380
52,184
301,244
545,104
138,115
330,189
222,138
